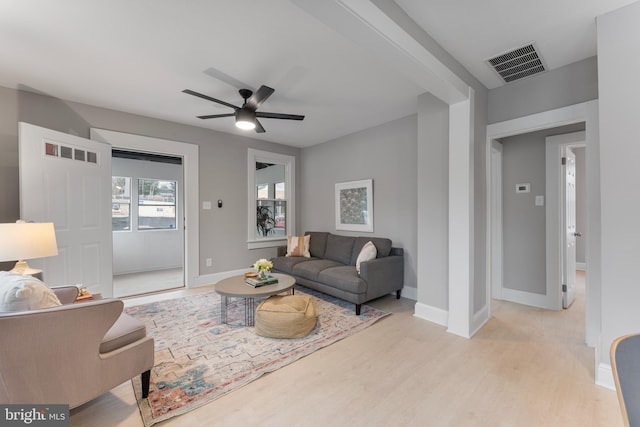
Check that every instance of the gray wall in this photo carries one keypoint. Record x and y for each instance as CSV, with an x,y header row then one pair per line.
x,y
619,87
385,153
223,160
433,212
524,240
524,223
568,85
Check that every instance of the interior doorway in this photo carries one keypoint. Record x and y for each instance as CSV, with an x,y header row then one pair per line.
x,y
190,166
147,222
580,113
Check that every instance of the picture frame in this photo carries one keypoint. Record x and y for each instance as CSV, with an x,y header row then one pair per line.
x,y
354,205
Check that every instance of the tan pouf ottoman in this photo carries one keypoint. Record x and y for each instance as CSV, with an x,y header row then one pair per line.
x,y
285,316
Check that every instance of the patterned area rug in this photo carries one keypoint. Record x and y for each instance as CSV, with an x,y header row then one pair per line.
x,y
198,359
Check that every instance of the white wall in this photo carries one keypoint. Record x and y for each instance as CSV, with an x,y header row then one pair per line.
x,y
146,250
619,88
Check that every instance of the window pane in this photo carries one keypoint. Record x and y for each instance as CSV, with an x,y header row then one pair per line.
x,y
280,190
120,203
156,204
263,191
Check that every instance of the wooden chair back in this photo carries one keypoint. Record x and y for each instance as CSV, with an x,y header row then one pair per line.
x,y
625,362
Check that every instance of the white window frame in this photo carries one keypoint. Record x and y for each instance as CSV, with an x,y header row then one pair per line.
x,y
289,163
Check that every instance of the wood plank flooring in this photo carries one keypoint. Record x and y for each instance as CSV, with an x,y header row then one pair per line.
x,y
526,367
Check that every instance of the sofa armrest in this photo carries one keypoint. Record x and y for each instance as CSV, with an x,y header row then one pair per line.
x,y
66,294
383,275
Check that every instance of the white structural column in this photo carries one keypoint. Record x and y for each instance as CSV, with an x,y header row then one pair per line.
x,y
461,208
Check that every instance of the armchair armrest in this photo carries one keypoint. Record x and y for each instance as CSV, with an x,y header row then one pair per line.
x,y
66,294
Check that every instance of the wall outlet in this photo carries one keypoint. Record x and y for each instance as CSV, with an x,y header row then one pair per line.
x,y
209,262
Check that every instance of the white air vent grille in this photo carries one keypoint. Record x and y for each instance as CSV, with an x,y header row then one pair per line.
x,y
518,63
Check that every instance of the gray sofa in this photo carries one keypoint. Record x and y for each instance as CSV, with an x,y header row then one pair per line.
x,y
331,269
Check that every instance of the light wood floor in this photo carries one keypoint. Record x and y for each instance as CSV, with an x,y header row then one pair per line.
x,y
526,367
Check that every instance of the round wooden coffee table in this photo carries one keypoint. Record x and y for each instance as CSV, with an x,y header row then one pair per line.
x,y
235,287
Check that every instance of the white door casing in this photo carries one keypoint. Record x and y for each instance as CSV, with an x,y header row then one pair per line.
x,y
66,179
557,248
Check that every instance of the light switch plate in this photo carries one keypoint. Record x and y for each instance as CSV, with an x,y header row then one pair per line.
x,y
206,205
539,200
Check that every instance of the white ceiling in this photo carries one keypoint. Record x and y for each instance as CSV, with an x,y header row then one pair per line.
x,y
138,55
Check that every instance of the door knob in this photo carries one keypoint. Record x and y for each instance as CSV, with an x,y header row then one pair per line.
x,y
577,234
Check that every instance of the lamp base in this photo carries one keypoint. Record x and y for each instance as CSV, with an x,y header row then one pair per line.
x,y
22,267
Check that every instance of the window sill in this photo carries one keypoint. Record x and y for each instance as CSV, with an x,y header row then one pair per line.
x,y
267,243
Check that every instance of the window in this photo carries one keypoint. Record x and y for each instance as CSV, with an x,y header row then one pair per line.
x,y
156,204
271,198
120,203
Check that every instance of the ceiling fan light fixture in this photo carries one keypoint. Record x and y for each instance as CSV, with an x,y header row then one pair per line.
x,y
246,119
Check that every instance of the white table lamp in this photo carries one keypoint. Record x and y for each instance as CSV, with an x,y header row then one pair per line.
x,y
27,240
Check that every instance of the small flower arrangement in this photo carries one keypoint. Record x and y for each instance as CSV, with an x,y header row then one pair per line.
x,y
263,265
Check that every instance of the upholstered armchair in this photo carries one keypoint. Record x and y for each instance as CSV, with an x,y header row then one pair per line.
x,y
72,353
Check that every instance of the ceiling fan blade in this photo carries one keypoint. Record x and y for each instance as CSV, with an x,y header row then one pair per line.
x,y
259,128
208,98
215,116
259,97
279,116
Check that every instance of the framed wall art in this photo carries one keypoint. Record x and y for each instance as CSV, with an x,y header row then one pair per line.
x,y
354,205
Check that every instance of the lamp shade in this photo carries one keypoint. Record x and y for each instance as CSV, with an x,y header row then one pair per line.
x,y
27,240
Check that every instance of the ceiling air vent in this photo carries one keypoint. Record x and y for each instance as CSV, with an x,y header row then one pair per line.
x,y
518,63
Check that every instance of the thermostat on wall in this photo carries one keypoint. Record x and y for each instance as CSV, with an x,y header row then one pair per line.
x,y
523,188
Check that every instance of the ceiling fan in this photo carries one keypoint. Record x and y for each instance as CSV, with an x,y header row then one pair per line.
x,y
247,116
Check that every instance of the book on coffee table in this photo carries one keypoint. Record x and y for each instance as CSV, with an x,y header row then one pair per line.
x,y
255,282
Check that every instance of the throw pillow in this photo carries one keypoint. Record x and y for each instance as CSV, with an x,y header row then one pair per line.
x,y
298,246
367,253
20,293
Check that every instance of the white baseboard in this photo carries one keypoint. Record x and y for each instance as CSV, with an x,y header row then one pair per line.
x,y
432,314
527,298
479,319
209,279
604,376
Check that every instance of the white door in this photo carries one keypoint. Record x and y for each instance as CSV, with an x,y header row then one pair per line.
x,y
66,180
569,228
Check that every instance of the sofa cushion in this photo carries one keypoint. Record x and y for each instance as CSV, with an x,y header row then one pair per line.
x,y
125,331
23,292
339,248
317,243
298,246
383,246
310,269
343,277
285,264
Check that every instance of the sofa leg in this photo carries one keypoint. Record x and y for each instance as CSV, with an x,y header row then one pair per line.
x,y
398,293
145,377
358,306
